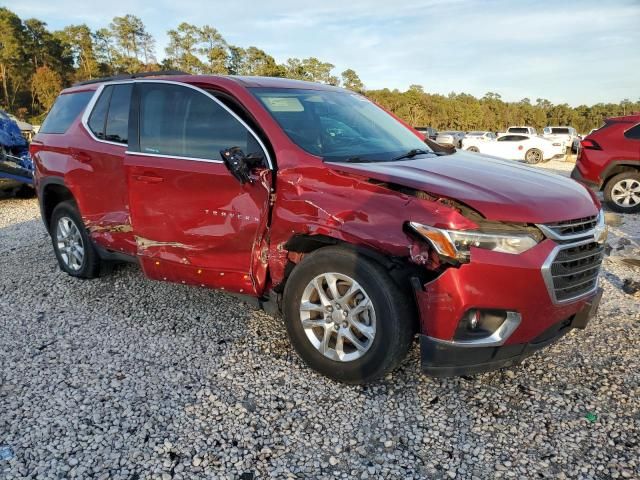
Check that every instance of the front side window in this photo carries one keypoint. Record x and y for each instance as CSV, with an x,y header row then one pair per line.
x,y
182,122
65,110
338,126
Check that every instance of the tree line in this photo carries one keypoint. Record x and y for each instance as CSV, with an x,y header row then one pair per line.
x,y
36,63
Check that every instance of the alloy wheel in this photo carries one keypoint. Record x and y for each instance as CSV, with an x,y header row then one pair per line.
x,y
626,193
338,317
69,243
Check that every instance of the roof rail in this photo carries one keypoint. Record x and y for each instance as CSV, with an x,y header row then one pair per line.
x,y
128,76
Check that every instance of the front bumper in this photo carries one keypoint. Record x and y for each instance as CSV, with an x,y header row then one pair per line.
x,y
494,281
446,359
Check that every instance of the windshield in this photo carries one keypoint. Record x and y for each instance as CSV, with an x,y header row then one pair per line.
x,y
339,126
476,134
518,130
560,131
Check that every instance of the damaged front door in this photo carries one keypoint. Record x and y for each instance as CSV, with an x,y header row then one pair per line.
x,y
193,221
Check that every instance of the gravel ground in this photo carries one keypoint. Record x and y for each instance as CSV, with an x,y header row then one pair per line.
x,y
125,378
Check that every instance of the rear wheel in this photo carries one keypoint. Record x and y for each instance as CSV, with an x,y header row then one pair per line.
x,y
345,316
533,156
473,149
71,243
622,192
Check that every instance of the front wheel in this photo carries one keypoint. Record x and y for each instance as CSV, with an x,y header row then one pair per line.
x,y
346,317
622,192
473,149
533,156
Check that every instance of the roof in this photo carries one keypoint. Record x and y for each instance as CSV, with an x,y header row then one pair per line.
x,y
180,77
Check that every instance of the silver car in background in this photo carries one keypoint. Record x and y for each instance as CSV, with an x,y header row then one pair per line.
x,y
450,137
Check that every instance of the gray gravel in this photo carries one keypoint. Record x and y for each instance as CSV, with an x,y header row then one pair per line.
x,y
125,378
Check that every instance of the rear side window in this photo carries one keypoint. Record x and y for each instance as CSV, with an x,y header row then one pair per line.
x,y
98,117
633,133
179,121
109,119
65,110
117,128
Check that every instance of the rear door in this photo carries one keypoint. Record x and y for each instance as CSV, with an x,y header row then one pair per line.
x,y
193,221
100,157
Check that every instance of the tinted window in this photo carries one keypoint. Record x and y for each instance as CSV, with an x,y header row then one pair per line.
x,y
518,130
98,117
182,122
65,110
117,127
560,131
633,133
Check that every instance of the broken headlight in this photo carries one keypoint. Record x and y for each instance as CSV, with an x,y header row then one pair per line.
x,y
456,244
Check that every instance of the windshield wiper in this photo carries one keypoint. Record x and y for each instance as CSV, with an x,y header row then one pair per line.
x,y
356,160
411,153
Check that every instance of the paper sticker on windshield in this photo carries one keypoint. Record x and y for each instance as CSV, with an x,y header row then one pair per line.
x,y
283,104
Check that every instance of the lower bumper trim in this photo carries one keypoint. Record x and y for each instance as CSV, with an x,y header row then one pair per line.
x,y
441,359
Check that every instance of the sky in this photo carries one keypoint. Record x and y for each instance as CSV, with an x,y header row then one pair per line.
x,y
575,52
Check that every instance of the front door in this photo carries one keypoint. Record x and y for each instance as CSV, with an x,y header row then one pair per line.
x,y
192,220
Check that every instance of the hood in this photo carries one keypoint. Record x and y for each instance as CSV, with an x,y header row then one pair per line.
x,y
500,190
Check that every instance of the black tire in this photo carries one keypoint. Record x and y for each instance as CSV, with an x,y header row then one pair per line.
x,y
90,265
394,312
632,178
473,149
533,156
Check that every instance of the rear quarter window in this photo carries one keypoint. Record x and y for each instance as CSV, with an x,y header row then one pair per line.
x,y
633,133
65,110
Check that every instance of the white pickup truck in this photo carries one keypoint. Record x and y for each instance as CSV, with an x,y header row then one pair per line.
x,y
566,135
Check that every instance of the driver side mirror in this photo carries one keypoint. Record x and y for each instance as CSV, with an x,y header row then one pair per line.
x,y
239,164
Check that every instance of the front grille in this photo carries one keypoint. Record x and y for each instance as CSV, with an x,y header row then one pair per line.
x,y
573,227
574,270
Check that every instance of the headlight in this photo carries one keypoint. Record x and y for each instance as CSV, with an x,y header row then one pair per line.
x,y
456,244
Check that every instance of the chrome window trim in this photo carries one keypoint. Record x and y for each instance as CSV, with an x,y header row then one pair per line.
x,y
173,157
548,278
496,339
89,109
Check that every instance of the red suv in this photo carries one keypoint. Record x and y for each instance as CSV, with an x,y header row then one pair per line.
x,y
609,160
320,205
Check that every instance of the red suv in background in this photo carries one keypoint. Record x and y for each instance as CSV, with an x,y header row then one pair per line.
x,y
319,204
609,160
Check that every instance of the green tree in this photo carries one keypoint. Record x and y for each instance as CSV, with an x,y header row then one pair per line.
x,y
183,48
79,43
46,85
351,80
12,55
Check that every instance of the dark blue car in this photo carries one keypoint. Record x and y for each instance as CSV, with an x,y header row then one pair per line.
x,y
16,167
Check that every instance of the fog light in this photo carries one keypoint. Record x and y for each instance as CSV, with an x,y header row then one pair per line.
x,y
474,321
486,327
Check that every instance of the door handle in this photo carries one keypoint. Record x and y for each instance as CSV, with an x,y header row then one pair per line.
x,y
80,156
148,178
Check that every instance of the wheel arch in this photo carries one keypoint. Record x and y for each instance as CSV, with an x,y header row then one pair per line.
x,y
618,167
51,192
401,270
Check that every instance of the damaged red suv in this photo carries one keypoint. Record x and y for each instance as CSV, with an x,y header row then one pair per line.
x,y
320,205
